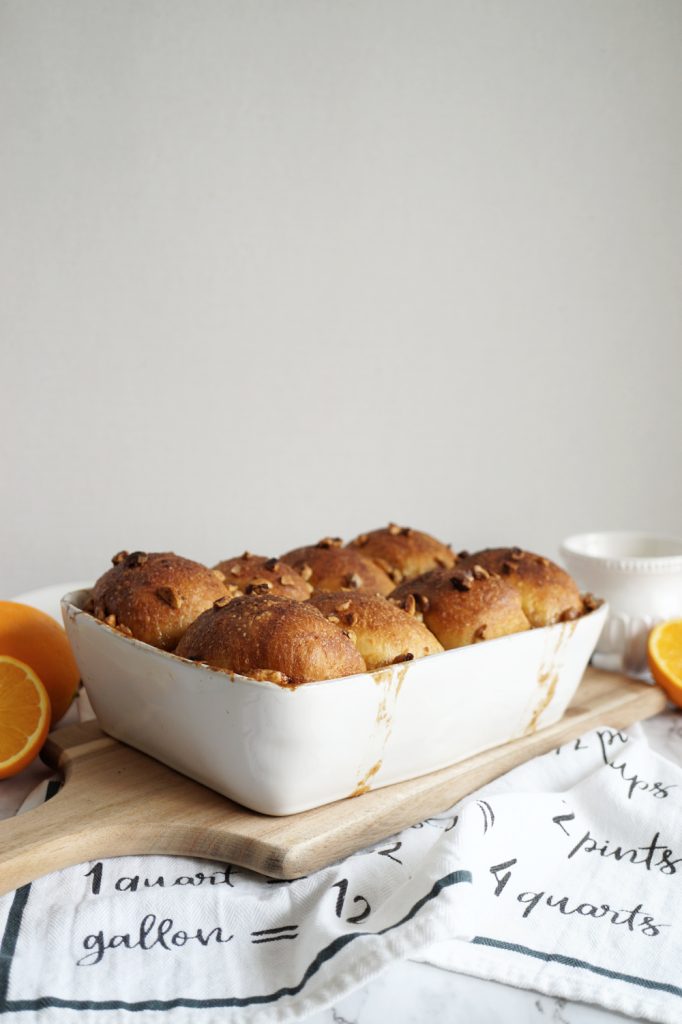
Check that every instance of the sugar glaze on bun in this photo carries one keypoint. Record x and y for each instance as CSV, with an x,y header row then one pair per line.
x,y
271,638
258,574
327,565
548,594
154,597
463,606
404,553
383,633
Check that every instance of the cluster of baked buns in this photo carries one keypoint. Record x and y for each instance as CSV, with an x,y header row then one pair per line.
x,y
330,609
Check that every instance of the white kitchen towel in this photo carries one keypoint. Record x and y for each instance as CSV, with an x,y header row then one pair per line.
x,y
562,876
159,936
577,874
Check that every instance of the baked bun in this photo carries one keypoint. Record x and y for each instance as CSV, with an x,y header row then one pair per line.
x,y
273,638
463,606
548,594
257,574
155,597
329,566
404,553
382,632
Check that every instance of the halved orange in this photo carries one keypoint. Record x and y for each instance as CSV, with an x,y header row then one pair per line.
x,y
38,640
665,657
24,715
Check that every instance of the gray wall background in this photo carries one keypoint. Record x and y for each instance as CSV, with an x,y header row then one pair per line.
x,y
276,270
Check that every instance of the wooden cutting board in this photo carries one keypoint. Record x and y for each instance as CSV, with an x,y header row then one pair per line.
x,y
117,801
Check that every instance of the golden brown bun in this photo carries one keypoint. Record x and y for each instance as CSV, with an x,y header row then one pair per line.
x,y
257,574
154,597
461,607
548,594
265,637
328,566
404,553
382,632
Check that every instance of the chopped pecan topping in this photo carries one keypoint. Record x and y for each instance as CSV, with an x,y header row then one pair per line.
x,y
354,581
169,596
135,559
403,657
568,615
507,568
480,632
423,603
219,574
220,602
516,554
480,573
402,531
120,556
463,554
110,620
409,604
542,561
305,571
591,602
351,618
391,571
247,555
361,540
329,542
235,570
287,581
343,607
334,618
271,565
258,587
462,580
124,629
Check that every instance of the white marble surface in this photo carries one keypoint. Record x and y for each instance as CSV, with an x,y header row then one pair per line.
x,y
412,993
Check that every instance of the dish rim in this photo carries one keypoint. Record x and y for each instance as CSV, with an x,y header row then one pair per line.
x,y
70,606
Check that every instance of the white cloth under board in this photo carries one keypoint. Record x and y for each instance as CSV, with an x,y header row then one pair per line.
x,y
562,876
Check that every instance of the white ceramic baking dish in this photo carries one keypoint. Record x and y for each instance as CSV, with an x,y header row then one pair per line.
x,y
282,750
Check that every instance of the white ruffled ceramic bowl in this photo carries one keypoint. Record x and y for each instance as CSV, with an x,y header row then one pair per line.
x,y
640,575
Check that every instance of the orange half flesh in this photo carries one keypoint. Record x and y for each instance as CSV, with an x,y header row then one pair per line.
x,y
665,657
24,715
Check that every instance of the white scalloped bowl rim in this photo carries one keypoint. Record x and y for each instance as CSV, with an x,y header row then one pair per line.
x,y
625,551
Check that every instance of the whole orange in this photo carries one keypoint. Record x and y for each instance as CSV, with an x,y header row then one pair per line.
x,y
36,639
